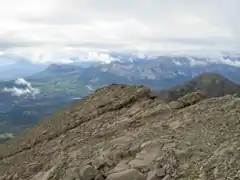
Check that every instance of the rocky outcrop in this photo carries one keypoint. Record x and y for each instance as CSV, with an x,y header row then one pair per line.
x,y
188,100
123,132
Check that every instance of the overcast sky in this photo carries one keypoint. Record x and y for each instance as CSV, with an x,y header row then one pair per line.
x,y
58,30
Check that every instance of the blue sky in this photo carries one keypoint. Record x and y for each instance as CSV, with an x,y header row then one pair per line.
x,y
57,30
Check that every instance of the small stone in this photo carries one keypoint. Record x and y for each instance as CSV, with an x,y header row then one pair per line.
x,y
156,174
145,144
42,175
125,154
134,150
151,143
69,178
106,169
131,174
49,173
10,177
72,173
110,163
175,105
160,172
145,170
88,172
99,177
167,168
151,176
158,163
88,163
145,158
15,177
117,155
159,159
167,177
121,166
35,177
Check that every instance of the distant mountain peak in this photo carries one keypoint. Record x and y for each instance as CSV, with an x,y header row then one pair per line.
x,y
212,84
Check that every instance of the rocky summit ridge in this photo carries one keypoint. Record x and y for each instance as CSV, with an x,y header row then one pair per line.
x,y
122,132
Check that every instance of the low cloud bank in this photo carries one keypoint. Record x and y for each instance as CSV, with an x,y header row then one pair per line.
x,y
28,90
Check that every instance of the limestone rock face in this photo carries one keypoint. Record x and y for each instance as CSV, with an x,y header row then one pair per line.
x,y
122,132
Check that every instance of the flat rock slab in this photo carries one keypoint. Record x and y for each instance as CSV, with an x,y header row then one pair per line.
x,y
121,166
45,175
145,158
156,174
131,174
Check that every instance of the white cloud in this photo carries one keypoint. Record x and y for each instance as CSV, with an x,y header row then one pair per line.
x,y
89,87
211,60
17,91
23,91
21,81
57,30
229,62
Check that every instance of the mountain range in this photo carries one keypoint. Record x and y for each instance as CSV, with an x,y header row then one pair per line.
x,y
11,69
59,85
